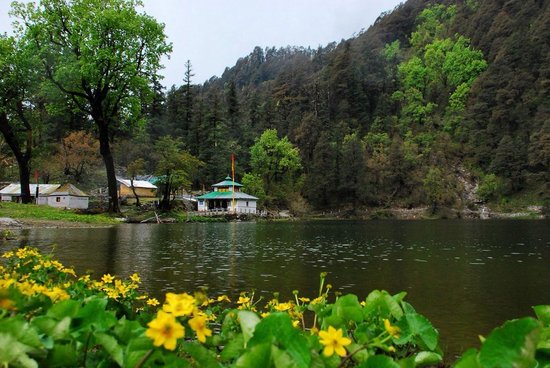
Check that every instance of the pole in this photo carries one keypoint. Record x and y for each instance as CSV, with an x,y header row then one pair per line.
x,y
37,186
233,179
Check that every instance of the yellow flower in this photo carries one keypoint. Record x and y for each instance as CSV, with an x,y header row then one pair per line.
x,y
283,307
69,270
179,304
243,300
165,330
7,255
392,330
107,278
152,302
264,314
317,300
333,341
223,298
56,294
85,278
135,278
304,300
296,323
198,324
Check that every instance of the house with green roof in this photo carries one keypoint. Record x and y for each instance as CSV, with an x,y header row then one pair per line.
x,y
227,196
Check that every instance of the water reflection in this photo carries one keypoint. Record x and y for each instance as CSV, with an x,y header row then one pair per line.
x,y
465,276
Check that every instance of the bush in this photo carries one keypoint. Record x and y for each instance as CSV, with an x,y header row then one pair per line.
x,y
51,317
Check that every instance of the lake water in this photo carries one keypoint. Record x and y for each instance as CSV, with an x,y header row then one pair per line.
x,y
467,277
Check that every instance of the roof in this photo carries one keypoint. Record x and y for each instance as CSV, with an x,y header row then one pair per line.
x,y
227,183
227,195
43,189
137,183
69,189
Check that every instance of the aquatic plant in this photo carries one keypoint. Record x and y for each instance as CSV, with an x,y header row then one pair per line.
x,y
51,317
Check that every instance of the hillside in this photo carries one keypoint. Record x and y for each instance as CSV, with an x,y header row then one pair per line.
x,y
399,113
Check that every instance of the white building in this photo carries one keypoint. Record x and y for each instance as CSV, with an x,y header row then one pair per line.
x,y
54,195
12,192
68,196
226,196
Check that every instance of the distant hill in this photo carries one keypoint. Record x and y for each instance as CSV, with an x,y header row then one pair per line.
x,y
433,97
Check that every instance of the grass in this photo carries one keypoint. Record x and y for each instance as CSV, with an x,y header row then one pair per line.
x,y
31,211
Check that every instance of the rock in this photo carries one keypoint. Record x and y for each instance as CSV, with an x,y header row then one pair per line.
x,y
9,222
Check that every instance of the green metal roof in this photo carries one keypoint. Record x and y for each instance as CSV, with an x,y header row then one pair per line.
x,y
227,183
227,195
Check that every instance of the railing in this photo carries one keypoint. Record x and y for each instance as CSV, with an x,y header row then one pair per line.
x,y
224,211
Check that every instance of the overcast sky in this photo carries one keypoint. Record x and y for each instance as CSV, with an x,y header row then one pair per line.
x,y
214,34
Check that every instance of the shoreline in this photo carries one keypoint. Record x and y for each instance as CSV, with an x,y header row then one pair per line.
x,y
416,214
7,223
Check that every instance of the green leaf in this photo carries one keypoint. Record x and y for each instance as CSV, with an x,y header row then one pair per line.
x,y
94,314
361,354
256,356
111,346
382,305
21,330
334,321
426,358
65,308
204,357
63,355
11,349
379,361
468,360
417,328
348,308
62,328
281,359
248,321
233,348
407,363
543,313
511,345
126,330
136,350
277,328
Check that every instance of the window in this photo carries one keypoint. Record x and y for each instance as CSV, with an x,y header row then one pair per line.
x,y
246,203
58,199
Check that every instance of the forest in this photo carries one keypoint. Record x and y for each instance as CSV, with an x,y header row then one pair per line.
x,y
434,98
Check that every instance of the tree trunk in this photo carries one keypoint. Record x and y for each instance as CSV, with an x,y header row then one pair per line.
x,y
134,191
23,159
105,150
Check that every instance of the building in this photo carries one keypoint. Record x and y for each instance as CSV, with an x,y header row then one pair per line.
x,y
68,196
143,188
12,193
226,196
54,195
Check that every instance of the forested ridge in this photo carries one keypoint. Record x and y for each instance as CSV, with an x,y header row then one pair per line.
x,y
434,97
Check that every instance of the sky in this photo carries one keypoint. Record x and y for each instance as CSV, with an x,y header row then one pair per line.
x,y
214,34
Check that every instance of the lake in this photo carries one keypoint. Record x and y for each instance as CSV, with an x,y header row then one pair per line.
x,y
467,277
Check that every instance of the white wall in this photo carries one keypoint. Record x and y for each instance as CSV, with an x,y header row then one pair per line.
x,y
242,206
68,202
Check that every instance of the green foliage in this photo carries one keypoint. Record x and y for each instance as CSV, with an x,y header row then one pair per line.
x,y
517,343
439,188
254,185
490,187
277,162
49,317
175,167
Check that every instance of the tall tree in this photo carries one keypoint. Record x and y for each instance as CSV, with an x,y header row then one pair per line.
x,y
18,89
175,166
103,55
278,163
